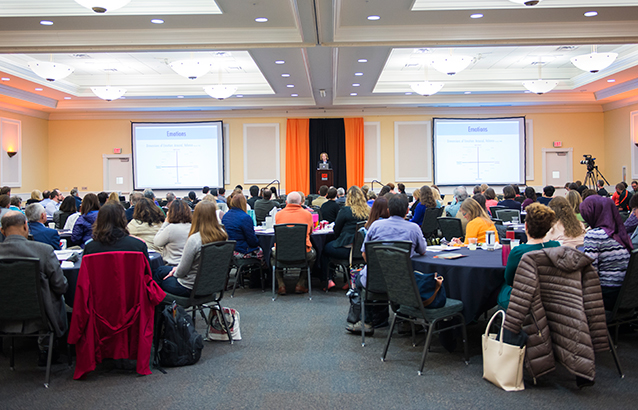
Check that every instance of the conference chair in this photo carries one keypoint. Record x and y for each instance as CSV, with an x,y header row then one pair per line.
x,y
290,252
375,293
22,300
625,310
430,225
493,210
210,282
355,258
396,267
450,227
243,265
506,215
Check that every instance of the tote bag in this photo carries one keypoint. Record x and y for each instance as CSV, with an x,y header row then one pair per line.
x,y
502,362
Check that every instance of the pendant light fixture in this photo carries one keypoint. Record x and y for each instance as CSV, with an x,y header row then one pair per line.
x,y
108,93
191,69
540,86
426,88
102,6
49,70
594,62
220,91
450,64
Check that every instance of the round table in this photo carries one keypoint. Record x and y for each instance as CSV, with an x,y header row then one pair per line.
x,y
475,279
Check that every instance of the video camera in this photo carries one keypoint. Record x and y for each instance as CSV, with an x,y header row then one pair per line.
x,y
589,161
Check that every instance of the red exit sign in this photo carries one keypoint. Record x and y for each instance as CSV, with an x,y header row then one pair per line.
x,y
117,150
558,144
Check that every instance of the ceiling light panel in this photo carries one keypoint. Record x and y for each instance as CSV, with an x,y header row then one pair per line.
x,y
30,8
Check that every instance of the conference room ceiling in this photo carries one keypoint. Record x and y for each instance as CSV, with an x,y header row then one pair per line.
x,y
322,44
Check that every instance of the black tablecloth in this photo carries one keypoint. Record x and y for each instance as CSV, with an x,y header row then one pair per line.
x,y
475,279
71,275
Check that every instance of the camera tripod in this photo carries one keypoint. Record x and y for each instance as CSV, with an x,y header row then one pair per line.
x,y
592,177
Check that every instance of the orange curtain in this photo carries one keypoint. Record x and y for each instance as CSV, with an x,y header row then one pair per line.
x,y
355,152
298,155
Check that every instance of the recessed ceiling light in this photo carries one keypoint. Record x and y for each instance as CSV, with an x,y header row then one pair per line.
x,y
591,14
240,96
353,94
476,16
294,95
180,96
290,85
468,92
358,74
46,23
261,19
5,79
408,93
67,98
356,85
528,92
285,75
362,60
280,62
157,21
38,89
611,80
373,18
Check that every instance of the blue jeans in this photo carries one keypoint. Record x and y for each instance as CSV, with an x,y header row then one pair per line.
x,y
170,285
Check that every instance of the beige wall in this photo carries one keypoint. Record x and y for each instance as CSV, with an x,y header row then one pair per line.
x,y
35,154
68,153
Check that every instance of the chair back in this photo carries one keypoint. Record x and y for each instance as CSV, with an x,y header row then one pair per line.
x,y
214,264
356,256
430,223
291,244
493,210
507,214
21,292
627,299
375,282
450,227
396,268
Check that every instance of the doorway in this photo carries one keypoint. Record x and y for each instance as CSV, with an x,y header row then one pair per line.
x,y
117,173
558,168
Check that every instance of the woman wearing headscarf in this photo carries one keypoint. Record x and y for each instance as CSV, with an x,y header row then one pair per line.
x,y
607,243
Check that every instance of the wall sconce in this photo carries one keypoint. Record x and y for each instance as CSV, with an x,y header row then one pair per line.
x,y
11,154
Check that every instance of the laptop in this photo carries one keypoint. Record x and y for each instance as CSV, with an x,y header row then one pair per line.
x,y
323,166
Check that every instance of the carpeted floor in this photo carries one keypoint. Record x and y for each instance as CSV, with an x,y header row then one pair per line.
x,y
295,354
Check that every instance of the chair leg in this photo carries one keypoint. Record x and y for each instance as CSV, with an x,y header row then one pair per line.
x,y
309,285
238,275
614,354
261,278
273,283
221,310
413,334
12,360
428,340
387,341
363,320
466,348
47,375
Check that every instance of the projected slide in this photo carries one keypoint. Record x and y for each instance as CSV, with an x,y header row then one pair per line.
x,y
470,152
177,156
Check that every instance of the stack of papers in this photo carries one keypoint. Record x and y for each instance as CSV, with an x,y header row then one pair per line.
x,y
64,255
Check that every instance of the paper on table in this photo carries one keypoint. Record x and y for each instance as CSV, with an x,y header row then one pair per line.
x,y
64,255
67,264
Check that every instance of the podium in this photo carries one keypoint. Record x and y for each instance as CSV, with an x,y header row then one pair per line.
x,y
324,177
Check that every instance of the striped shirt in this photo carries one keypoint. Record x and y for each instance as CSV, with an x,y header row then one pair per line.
x,y
610,257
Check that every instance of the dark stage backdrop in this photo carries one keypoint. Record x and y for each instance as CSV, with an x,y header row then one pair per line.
x,y
328,135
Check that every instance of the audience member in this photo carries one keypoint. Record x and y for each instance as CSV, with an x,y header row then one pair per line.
x,y
173,234
221,192
632,221
254,196
460,195
205,191
36,196
608,244
45,198
391,186
192,197
588,192
601,188
384,190
365,189
480,198
379,211
205,228
476,190
75,193
394,228
573,186
509,195
37,217
548,193
400,188
574,199
371,198
341,196
437,196
52,280
66,210
567,230
148,193
274,192
356,210
83,228
53,205
147,221
218,212
114,197
518,198
295,214
530,197
426,200
5,190
102,197
477,222
634,186
263,206
134,198
5,203
170,197
484,188
538,222
330,208
416,200
621,197
321,199
16,203
490,198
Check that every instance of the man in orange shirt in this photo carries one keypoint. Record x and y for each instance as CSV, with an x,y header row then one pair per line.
x,y
296,214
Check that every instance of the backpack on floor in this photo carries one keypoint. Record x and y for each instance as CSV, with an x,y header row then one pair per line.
x,y
180,344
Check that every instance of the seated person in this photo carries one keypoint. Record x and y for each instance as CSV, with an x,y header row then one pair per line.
x,y
621,197
66,210
36,196
147,221
490,198
600,186
477,222
263,206
173,234
538,222
5,203
460,194
548,193
53,205
530,197
179,280
330,209
631,223
16,203
426,200
83,228
240,228
321,199
608,244
133,199
254,196
52,280
294,213
371,198
356,210
37,217
509,195
567,230
574,199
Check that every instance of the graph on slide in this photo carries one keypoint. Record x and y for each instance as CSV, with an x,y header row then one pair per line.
x,y
173,170
476,162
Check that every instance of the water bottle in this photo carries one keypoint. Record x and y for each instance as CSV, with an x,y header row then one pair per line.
x,y
509,234
505,243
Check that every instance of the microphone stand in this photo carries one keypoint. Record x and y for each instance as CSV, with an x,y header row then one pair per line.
x,y
278,189
372,184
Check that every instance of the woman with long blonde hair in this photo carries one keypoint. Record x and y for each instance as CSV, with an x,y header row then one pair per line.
x,y
478,222
574,199
568,230
205,228
356,210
